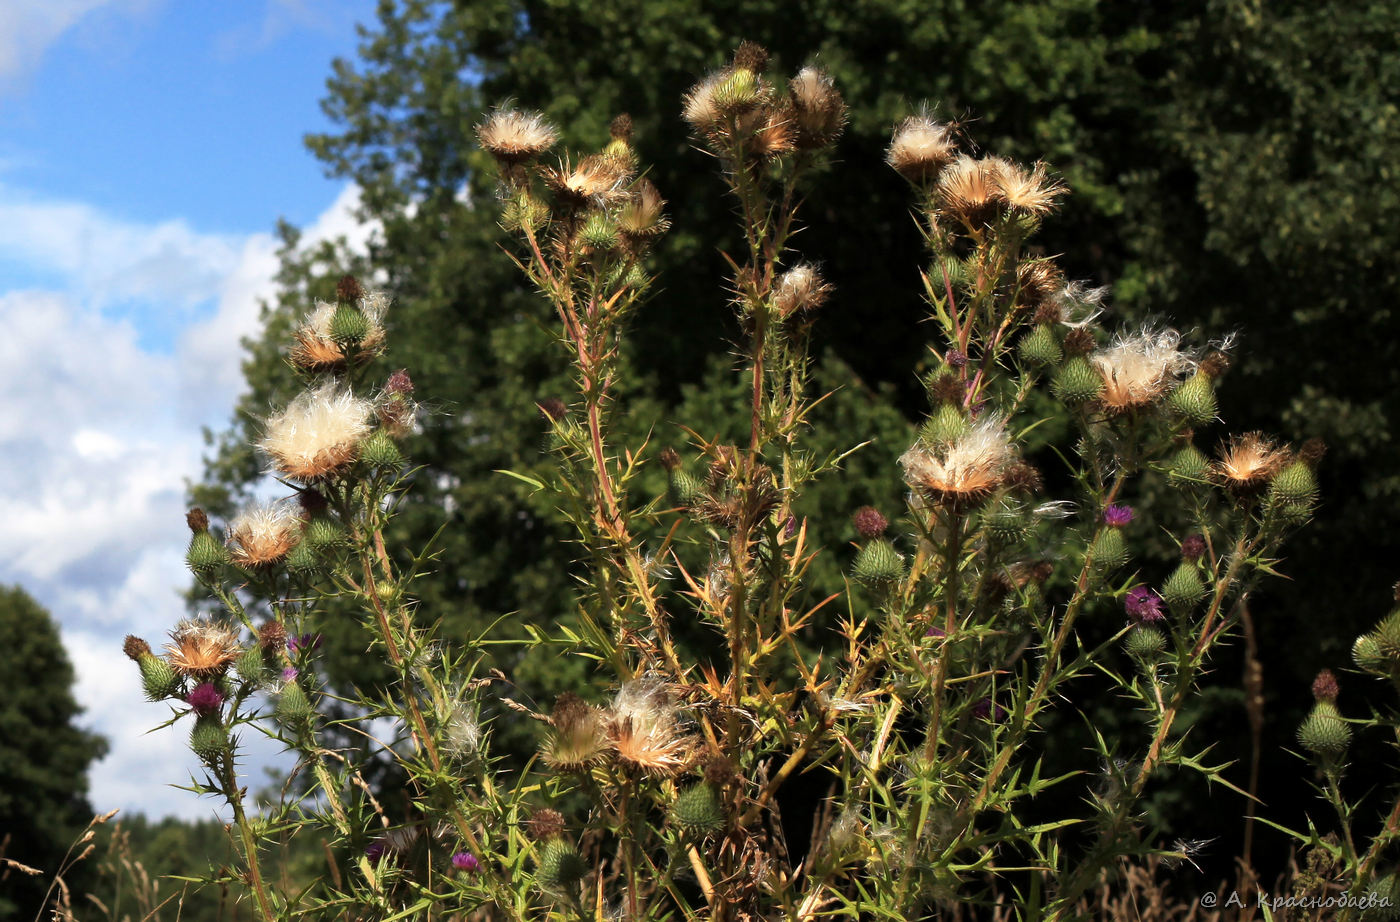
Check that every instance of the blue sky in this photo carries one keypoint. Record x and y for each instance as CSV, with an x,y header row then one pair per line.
x,y
147,148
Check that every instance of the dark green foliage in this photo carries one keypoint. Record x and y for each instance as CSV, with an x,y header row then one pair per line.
x,y
44,756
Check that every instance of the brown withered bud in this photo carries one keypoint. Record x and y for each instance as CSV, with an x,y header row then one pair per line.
x,y
569,709
720,771
955,358
1192,547
869,522
1079,341
1041,280
995,587
770,132
1024,478
311,501
546,824
750,56
1215,364
399,384
621,127
272,635
1046,312
724,464
348,290
197,520
553,408
135,648
1325,687
948,390
1042,570
670,458
1312,450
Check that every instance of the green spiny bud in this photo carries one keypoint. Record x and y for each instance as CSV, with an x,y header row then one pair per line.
x,y
599,232
944,426
1077,382
302,560
1184,588
1387,635
293,707
1039,346
560,865
683,487
698,809
209,740
323,534
1005,524
1194,400
1367,655
1294,485
1324,733
1109,549
737,92
878,563
525,213
1145,643
349,325
205,554
1188,465
158,678
379,450
251,666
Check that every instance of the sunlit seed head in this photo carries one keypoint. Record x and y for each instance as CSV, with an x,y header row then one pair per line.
x,y
1248,461
264,533
513,136
318,433
578,738
1029,192
700,108
314,348
595,180
800,290
645,728
1137,369
970,188
819,111
642,215
201,648
921,148
964,470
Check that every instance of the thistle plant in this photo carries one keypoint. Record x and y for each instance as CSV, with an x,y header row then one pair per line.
x,y
1011,586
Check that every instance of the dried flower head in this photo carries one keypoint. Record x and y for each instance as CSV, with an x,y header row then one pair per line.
x,y
197,520
546,824
317,349
271,635
646,729
461,729
800,290
700,108
1041,282
1192,547
965,470
263,534
595,180
641,216
971,189
318,433
578,738
135,648
201,648
819,112
1028,192
1248,462
512,136
921,148
768,132
1137,369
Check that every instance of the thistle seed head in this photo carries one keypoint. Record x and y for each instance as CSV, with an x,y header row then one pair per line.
x,y
1137,369
263,534
921,148
318,433
513,136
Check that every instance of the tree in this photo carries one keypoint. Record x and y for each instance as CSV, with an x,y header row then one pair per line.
x,y
1230,168
45,759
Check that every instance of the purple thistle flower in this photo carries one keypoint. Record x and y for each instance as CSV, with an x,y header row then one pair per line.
x,y
303,643
1117,516
465,861
936,632
1192,547
374,851
986,709
289,674
1143,605
205,699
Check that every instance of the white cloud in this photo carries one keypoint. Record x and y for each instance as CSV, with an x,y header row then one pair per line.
x,y
99,435
28,27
